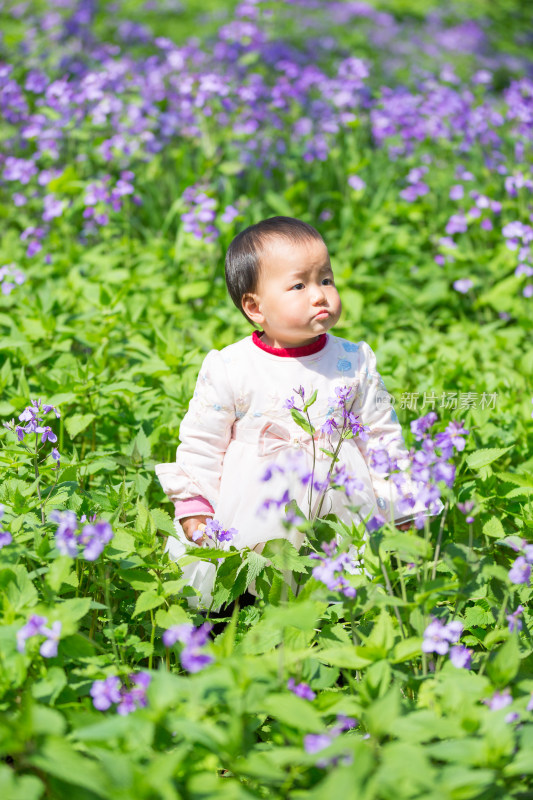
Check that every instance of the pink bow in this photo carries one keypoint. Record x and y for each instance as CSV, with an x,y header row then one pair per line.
x,y
274,437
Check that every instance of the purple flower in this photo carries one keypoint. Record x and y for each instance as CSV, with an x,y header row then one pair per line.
x,y
329,426
191,657
349,483
499,700
461,656
462,285
437,636
420,426
356,183
456,224
48,648
513,716
5,538
106,692
529,706
194,660
450,438
227,536
466,508
520,572
135,697
513,620
331,567
456,192
66,533
301,689
435,640
33,627
111,690
94,538
315,742
290,403
344,723
229,214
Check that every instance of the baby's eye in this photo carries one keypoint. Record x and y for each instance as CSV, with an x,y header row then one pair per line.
x,y
298,286
328,281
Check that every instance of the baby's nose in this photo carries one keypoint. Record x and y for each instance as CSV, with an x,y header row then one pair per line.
x,y
319,294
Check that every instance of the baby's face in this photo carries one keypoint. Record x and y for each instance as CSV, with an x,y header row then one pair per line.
x,y
296,298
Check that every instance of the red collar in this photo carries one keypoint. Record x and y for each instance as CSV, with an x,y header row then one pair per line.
x,y
291,352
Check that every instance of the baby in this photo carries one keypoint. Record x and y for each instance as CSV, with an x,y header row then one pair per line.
x,y
239,422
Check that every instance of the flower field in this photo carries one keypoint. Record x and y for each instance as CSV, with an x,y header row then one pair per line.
x,y
137,139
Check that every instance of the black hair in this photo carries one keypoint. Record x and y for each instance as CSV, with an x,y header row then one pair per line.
x,y
243,260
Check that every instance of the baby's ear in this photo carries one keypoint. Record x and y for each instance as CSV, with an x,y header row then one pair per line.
x,y
250,306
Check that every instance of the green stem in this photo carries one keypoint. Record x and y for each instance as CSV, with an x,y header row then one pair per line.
x,y
38,478
439,541
152,638
498,624
103,577
391,594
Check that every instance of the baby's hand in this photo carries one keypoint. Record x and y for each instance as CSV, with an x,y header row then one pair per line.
x,y
405,526
190,525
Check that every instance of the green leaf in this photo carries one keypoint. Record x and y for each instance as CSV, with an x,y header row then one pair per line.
x,y
146,601
494,528
344,657
302,421
61,571
162,520
481,458
283,555
57,757
505,662
278,204
311,400
382,635
406,649
230,167
19,787
174,615
142,444
382,714
194,290
78,423
293,711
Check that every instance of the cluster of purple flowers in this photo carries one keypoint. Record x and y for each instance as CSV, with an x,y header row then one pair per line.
x,y
500,700
36,626
429,465
519,237
330,570
69,537
343,402
33,415
300,689
315,742
214,531
111,690
10,276
520,571
291,99
467,508
416,188
438,637
200,215
5,536
513,621
192,657
105,195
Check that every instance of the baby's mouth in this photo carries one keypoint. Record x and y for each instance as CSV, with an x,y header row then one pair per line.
x,y
322,314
